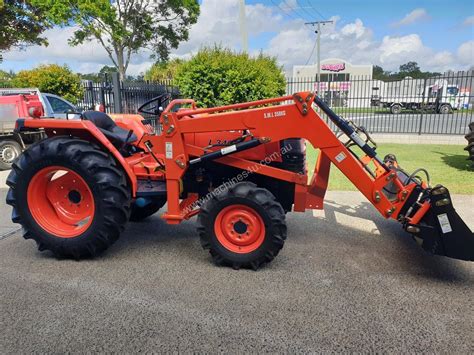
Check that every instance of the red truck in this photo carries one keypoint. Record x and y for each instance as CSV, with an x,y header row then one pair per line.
x,y
25,103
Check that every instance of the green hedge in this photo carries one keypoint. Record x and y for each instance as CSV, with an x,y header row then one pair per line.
x,y
218,76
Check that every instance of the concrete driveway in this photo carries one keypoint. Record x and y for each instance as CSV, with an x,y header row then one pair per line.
x,y
346,280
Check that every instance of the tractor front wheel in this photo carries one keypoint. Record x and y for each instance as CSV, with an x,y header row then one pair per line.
x,y
69,196
242,226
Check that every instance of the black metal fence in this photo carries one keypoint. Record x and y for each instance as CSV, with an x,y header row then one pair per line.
x,y
437,105
117,96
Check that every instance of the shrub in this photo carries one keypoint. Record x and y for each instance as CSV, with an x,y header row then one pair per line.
x,y
218,76
163,70
53,78
6,78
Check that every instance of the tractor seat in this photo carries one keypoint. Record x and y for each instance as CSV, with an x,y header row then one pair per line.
x,y
108,127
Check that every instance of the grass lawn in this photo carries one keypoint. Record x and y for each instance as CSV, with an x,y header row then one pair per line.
x,y
447,165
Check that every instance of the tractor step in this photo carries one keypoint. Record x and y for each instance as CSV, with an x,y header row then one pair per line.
x,y
148,188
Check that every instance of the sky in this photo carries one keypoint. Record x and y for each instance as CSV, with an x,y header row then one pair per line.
x,y
439,35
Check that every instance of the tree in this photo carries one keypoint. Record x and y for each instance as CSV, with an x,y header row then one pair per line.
x,y
107,70
409,69
122,27
21,24
98,77
53,78
217,76
379,73
6,78
163,70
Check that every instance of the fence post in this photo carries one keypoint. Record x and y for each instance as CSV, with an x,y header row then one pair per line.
x,y
102,96
117,90
422,108
91,90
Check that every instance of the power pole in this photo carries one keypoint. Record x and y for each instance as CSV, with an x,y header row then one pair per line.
x,y
318,32
243,26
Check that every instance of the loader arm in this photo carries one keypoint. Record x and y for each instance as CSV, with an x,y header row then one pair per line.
x,y
393,193
273,123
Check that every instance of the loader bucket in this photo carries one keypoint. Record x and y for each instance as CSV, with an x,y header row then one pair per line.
x,y
442,231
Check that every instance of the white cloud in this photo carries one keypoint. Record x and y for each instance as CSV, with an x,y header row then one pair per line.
x,y
291,46
466,53
289,40
397,49
87,58
59,49
419,14
219,23
357,28
355,43
469,21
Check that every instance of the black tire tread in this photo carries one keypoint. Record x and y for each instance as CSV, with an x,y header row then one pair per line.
x,y
108,176
470,142
263,198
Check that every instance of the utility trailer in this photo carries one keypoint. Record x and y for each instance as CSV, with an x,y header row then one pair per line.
x,y
411,94
75,191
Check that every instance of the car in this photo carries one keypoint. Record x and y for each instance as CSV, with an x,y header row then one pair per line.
x,y
57,107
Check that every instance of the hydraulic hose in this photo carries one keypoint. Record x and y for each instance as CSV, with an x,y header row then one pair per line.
x,y
345,127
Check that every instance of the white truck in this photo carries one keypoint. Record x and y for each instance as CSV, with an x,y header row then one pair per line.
x,y
411,94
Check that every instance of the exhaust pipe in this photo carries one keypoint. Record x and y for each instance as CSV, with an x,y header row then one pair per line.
x,y
441,230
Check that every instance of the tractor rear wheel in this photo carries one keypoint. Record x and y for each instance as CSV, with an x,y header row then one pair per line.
x,y
69,196
244,226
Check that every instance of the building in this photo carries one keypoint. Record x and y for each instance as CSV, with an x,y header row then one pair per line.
x,y
341,82
334,70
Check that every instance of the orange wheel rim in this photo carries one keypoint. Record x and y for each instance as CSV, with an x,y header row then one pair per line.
x,y
61,202
239,229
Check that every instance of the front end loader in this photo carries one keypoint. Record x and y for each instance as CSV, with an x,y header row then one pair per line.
x,y
240,168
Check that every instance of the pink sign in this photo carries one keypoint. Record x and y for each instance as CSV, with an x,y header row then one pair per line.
x,y
333,67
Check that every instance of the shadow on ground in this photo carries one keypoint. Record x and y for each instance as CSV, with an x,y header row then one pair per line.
x,y
350,248
457,161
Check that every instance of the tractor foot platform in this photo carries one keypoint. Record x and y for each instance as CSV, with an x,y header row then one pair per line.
x,y
151,188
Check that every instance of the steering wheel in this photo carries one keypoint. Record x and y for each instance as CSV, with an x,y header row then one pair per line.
x,y
157,107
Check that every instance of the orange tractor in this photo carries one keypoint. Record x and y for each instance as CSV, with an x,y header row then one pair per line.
x,y
239,168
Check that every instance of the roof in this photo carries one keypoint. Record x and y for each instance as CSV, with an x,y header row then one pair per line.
x,y
18,91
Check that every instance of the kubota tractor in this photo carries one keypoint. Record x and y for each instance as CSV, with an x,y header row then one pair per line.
x,y
240,168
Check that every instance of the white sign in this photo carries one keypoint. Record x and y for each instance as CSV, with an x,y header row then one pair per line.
x,y
444,223
169,150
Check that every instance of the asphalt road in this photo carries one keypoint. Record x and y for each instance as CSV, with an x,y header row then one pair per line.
x,y
346,280
430,123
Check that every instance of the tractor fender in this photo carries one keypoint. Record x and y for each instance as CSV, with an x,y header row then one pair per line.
x,y
82,129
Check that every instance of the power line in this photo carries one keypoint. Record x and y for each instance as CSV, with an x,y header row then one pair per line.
x,y
316,10
283,10
296,8
312,51
297,13
306,8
